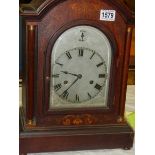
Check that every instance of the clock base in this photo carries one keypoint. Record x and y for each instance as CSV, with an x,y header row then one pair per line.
x,y
105,137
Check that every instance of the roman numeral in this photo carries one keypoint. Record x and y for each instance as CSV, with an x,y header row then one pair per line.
x,y
99,64
77,98
101,75
59,64
65,94
80,52
98,87
92,55
68,55
89,95
55,75
57,87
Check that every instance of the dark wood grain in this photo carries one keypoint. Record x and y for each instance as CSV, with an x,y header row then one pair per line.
x,y
38,8
125,70
30,69
43,129
74,15
110,110
108,137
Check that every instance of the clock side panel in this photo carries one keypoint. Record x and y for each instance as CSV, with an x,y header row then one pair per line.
x,y
61,16
24,83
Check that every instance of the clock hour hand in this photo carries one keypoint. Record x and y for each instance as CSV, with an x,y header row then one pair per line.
x,y
65,72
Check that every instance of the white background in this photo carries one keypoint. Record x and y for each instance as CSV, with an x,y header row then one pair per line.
x,y
145,77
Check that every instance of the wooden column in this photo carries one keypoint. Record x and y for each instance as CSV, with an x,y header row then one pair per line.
x,y
31,31
125,71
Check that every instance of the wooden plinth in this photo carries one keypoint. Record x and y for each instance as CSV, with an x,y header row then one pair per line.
x,y
105,137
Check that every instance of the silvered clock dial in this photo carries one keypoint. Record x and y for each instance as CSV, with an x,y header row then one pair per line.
x,y
80,68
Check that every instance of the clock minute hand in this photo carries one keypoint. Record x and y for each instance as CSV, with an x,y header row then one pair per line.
x,y
79,76
71,85
69,73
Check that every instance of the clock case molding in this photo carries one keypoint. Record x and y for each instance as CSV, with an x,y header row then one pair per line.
x,y
44,130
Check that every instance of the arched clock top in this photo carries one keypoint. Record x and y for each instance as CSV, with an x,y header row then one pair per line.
x,y
38,8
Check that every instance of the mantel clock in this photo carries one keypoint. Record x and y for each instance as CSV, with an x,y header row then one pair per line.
x,y
75,65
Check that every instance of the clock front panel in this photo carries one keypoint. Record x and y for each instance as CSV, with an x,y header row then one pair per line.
x,y
80,69
75,64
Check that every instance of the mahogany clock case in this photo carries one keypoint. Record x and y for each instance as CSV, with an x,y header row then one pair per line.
x,y
43,129
48,71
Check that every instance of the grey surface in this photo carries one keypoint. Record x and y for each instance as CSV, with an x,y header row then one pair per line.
x,y
92,152
94,41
